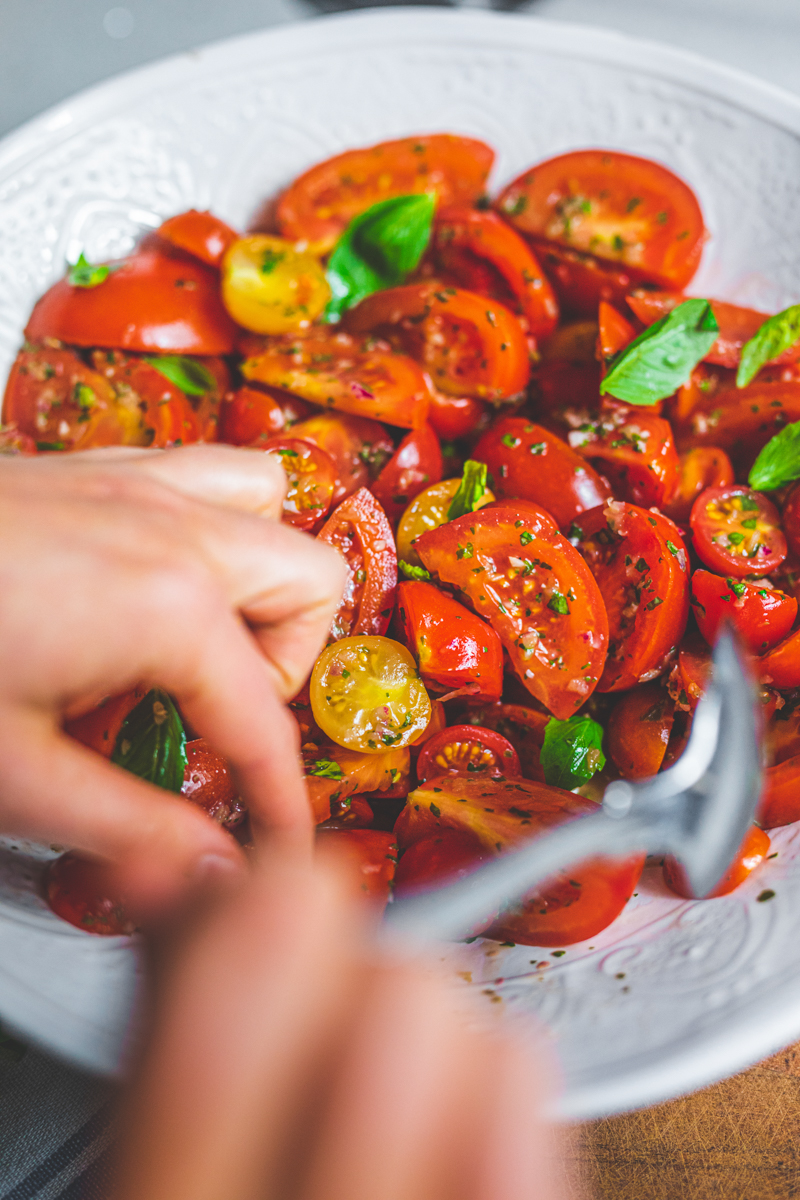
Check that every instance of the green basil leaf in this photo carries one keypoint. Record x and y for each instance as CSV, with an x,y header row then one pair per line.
x,y
471,490
84,274
659,360
152,742
379,249
779,461
186,373
777,334
412,572
572,751
325,768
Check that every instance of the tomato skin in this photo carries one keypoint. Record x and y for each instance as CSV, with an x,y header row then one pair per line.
x,y
752,852
729,546
528,461
502,554
487,236
99,728
360,531
454,417
637,453
614,332
365,382
200,234
706,466
357,446
780,666
156,301
690,675
427,510
452,646
270,286
446,856
373,854
167,415
84,892
208,782
780,797
741,422
629,210
524,727
249,417
581,281
761,616
638,731
415,465
322,201
790,519
357,773
470,346
469,751
312,480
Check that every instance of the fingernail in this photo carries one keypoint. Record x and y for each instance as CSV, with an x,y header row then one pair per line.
x,y
216,868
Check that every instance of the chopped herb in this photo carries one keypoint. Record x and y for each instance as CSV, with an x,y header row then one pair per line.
x,y
324,768
412,572
84,275
558,604
525,538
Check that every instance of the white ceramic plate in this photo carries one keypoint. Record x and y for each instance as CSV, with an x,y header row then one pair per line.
x,y
675,995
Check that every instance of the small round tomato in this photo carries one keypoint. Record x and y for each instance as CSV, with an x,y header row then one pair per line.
x,y
357,376
441,858
452,646
373,853
269,286
360,531
698,469
249,417
415,465
311,477
200,234
471,751
638,731
359,447
762,616
790,518
636,450
625,209
528,461
752,852
524,727
158,301
470,346
322,202
780,666
366,694
208,782
84,892
455,416
737,531
580,281
428,510
487,236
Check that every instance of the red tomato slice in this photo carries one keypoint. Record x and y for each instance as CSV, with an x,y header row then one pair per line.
x,y
452,646
644,585
208,782
199,234
528,461
312,480
155,301
741,421
446,856
615,332
454,417
690,675
638,731
516,570
359,447
415,465
580,281
373,854
780,666
322,202
752,852
705,467
780,797
637,451
469,345
631,211
168,416
351,375
84,892
486,236
249,417
361,533
471,751
762,616
737,531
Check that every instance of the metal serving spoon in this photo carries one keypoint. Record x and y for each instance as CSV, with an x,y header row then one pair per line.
x,y
699,810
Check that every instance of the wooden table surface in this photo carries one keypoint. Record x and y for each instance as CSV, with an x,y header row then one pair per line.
x,y
737,1140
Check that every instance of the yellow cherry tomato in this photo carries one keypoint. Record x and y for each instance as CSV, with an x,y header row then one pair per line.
x,y
427,511
269,286
366,694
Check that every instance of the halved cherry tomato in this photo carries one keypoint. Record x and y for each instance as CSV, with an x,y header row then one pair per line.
x,y
642,575
84,892
199,233
168,416
689,677
624,209
311,477
359,448
374,856
415,465
249,417
741,421
271,286
528,461
637,452
581,281
454,416
442,857
366,694
452,646
208,782
790,517
761,615
752,852
334,775
614,332
469,750
352,375
780,666
638,730
533,587
361,533
707,466
321,203
524,727
428,510
737,531
486,236
470,346
157,301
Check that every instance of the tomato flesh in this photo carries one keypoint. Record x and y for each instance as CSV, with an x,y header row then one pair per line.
x,y
471,751
311,480
361,533
762,616
415,465
452,646
635,449
358,447
698,469
737,531
638,731
335,775
441,858
249,417
751,854
200,234
208,782
84,892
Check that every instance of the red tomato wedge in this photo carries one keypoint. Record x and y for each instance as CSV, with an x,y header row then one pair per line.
x,y
84,892
322,202
752,852
156,301
780,798
780,666
529,462
337,371
642,574
638,730
454,416
519,573
208,782
361,533
614,332
762,616
470,751
249,417
453,647
628,210
99,728
200,234
740,421
311,478
358,447
334,774
737,531
705,467
636,450
485,236
469,345
580,281
415,465
524,727
373,854
442,857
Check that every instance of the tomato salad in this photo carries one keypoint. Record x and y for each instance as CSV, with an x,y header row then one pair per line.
x,y
553,475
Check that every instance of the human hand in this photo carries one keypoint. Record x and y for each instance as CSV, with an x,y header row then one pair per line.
x,y
122,567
